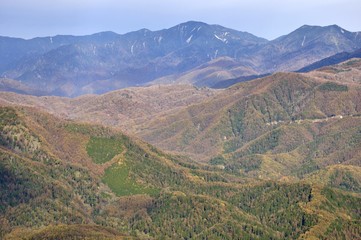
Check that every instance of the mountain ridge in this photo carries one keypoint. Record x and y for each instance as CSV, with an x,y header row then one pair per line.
x,y
174,116
335,59
106,61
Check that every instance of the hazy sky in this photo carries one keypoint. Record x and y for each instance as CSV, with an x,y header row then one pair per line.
x,y
264,18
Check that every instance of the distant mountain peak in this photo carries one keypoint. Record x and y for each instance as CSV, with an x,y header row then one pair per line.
x,y
318,28
75,65
193,23
105,33
308,27
144,30
333,26
306,33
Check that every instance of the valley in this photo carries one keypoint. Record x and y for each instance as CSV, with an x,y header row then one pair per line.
x,y
59,173
199,122
276,155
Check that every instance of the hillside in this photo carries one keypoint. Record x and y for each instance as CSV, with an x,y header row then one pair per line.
x,y
287,125
284,154
125,108
193,53
335,59
203,123
59,173
210,73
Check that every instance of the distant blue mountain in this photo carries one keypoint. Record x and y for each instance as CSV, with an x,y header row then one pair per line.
x,y
335,59
75,65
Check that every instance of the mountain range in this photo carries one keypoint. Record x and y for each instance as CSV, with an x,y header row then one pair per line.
x,y
193,53
192,132
204,122
273,158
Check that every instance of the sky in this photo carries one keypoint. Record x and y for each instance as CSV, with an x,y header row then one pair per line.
x,y
264,18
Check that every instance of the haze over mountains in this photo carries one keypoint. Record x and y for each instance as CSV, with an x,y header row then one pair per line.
x,y
192,52
199,122
276,155
273,158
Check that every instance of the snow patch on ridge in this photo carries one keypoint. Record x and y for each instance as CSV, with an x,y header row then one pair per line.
x,y
158,39
216,54
303,42
220,39
189,39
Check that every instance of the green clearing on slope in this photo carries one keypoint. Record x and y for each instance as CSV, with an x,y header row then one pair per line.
x,y
102,149
117,178
330,86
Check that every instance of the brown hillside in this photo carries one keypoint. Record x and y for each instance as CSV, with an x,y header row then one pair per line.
x,y
286,151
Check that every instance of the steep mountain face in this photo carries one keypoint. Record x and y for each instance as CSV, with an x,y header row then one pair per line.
x,y
287,53
127,60
192,52
13,50
306,45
